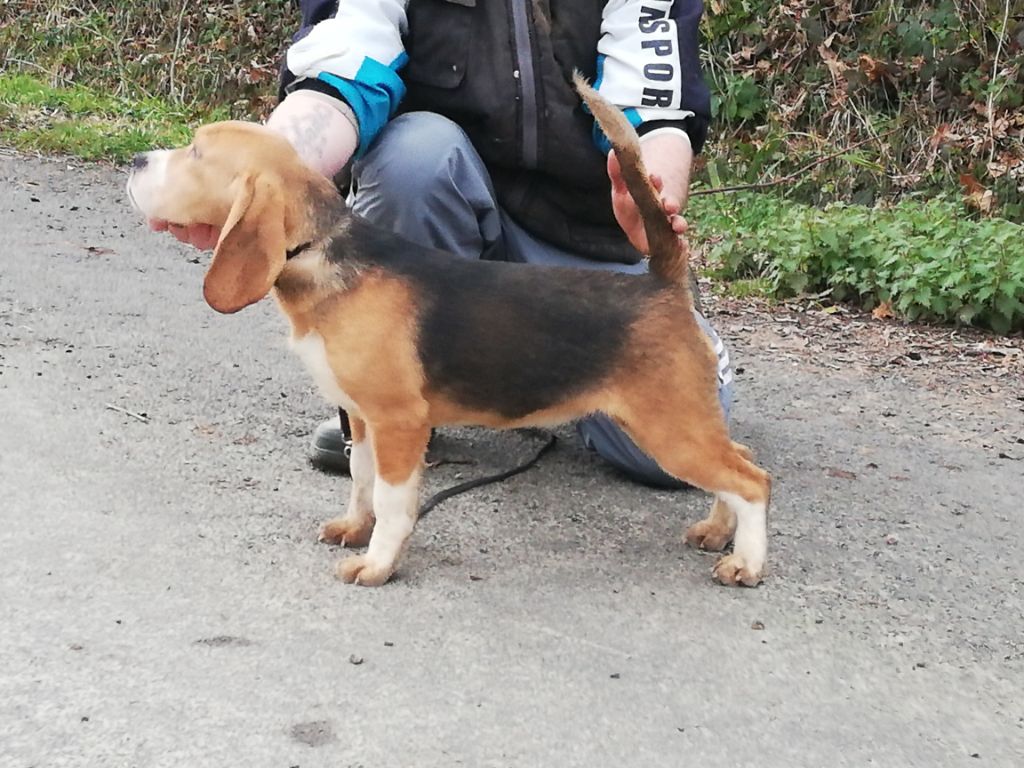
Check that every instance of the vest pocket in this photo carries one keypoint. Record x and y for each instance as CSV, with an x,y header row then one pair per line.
x,y
438,41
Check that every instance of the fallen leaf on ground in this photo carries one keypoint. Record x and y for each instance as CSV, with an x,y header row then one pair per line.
x,y
841,473
883,311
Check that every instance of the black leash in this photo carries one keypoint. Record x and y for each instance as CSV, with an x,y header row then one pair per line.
x,y
455,490
468,485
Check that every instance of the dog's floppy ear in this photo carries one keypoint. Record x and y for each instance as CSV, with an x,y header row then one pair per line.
x,y
251,251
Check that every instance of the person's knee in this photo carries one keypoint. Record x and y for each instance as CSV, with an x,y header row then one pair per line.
x,y
612,444
410,158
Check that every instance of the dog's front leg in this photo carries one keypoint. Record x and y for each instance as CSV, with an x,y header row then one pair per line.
x,y
398,454
355,527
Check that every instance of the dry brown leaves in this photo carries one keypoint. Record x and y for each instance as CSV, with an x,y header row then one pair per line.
x,y
857,66
830,337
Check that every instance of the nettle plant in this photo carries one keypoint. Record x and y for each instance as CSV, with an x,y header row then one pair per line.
x,y
930,261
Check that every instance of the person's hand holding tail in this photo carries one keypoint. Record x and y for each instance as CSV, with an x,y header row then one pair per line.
x,y
668,157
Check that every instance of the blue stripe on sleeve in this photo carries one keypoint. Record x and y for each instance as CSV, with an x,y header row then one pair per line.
x,y
602,141
373,94
599,75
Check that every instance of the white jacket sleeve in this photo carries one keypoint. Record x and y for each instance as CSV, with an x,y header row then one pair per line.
x,y
340,45
643,57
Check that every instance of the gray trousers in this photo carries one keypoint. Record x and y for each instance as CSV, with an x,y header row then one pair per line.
x,y
423,179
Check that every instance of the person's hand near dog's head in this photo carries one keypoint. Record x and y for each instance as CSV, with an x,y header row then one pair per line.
x,y
202,236
324,138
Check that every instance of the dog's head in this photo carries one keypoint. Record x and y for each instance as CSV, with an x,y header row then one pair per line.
x,y
250,183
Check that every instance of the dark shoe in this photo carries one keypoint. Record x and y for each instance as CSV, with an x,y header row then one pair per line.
x,y
332,445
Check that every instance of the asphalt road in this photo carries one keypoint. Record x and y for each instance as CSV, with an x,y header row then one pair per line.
x,y
164,602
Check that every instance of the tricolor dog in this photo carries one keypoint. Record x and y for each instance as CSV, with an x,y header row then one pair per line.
x,y
406,338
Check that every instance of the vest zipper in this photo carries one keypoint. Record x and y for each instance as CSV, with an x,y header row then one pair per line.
x,y
527,82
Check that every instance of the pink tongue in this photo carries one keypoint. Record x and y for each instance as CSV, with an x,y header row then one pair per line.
x,y
161,225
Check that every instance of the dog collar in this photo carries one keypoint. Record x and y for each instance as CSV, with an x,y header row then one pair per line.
x,y
296,251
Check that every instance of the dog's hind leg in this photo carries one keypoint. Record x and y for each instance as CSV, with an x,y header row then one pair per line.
x,y
354,528
714,532
398,450
695,447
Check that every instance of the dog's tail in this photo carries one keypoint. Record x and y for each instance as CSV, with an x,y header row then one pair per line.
x,y
668,251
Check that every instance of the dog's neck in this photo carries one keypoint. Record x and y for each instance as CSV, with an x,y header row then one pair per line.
x,y
316,220
310,225
292,253
308,278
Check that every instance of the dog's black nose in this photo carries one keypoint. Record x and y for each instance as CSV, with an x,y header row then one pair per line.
x,y
139,161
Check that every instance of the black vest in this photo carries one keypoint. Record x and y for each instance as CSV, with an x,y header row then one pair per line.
x,y
501,70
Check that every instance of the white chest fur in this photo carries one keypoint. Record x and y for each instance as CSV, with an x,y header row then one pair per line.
x,y
310,348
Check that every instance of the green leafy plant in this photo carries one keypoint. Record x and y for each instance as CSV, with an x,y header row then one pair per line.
x,y
740,101
929,260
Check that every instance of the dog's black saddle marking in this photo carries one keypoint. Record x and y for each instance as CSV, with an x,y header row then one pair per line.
x,y
505,337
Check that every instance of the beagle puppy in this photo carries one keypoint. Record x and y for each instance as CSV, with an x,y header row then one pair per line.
x,y
406,338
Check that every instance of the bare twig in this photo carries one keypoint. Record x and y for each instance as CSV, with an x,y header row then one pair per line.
x,y
796,174
992,85
23,63
177,49
126,412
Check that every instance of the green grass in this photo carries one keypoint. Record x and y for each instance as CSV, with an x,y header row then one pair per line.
x,y
35,116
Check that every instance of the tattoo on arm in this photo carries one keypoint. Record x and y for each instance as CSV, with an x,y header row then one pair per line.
x,y
308,134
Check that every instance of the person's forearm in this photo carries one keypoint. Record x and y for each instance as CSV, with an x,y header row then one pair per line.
x,y
670,156
323,135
